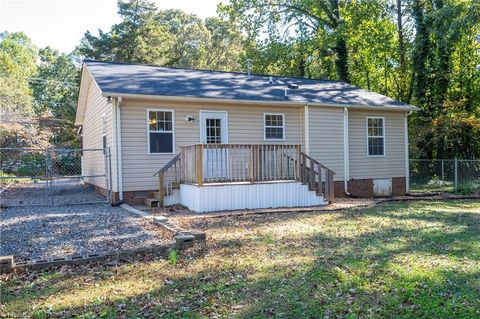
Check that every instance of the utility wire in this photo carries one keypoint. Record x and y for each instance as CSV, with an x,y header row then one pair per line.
x,y
45,80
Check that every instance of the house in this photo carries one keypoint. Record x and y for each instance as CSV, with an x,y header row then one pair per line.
x,y
222,140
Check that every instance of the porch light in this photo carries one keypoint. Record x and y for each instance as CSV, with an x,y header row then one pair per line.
x,y
189,118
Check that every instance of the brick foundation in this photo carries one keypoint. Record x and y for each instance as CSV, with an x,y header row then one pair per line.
x,y
399,186
361,187
131,198
339,189
356,187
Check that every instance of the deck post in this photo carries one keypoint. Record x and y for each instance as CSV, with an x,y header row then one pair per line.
x,y
251,168
312,175
319,187
199,165
161,188
332,190
298,168
304,170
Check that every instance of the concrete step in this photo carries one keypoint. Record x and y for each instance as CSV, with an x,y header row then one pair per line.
x,y
151,202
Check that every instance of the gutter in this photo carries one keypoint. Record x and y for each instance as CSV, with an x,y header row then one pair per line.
x,y
405,142
346,152
118,146
255,102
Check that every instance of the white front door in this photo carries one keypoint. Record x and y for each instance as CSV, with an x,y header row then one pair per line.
x,y
213,130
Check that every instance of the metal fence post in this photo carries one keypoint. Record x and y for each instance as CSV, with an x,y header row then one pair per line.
x,y
443,175
456,173
48,177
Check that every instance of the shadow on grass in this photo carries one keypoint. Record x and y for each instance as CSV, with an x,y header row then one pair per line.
x,y
426,269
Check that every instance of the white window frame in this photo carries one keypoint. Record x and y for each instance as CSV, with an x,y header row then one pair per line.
x,y
384,136
201,116
149,131
104,133
265,127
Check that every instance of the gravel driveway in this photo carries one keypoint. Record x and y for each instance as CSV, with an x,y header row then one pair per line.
x,y
43,232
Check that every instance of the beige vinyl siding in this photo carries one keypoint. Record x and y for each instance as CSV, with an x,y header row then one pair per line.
x,y
390,165
93,162
245,125
326,137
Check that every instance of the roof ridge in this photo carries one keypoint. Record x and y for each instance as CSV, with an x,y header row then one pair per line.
x,y
220,71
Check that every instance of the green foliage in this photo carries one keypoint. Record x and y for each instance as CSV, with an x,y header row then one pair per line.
x,y
58,89
31,165
168,37
17,64
17,55
172,257
70,164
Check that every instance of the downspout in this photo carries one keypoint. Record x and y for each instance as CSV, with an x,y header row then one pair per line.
x,y
118,148
307,130
346,152
407,163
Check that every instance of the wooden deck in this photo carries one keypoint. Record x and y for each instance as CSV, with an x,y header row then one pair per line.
x,y
217,164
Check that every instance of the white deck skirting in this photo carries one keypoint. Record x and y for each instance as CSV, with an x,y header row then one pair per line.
x,y
232,196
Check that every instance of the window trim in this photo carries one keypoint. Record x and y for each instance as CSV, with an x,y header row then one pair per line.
x,y
384,136
265,127
148,130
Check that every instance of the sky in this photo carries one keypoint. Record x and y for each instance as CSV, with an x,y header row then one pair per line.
x,y
61,24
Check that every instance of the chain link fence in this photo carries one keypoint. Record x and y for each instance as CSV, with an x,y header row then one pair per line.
x,y
445,175
30,177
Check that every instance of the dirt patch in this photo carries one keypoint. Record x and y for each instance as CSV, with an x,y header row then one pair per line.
x,y
177,211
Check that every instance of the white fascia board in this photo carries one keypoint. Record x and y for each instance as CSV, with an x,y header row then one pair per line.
x,y
198,99
82,97
369,107
258,102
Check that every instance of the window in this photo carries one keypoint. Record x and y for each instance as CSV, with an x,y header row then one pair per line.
x,y
274,127
376,136
104,133
213,131
160,131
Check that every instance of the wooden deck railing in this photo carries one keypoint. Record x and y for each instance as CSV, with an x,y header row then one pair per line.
x,y
216,163
222,163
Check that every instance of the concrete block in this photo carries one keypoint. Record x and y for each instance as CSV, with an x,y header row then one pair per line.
x,y
184,240
198,234
6,262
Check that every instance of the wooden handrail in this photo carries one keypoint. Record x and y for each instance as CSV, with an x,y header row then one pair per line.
x,y
169,164
311,175
166,183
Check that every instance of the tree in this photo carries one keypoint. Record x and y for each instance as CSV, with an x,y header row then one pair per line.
x,y
308,16
168,37
57,88
139,38
17,66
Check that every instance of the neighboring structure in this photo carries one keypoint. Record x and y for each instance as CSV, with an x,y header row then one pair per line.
x,y
242,142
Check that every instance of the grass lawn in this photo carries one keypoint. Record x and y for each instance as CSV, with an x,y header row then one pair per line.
x,y
396,260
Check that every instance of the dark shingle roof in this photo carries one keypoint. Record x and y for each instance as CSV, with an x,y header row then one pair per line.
x,y
122,78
